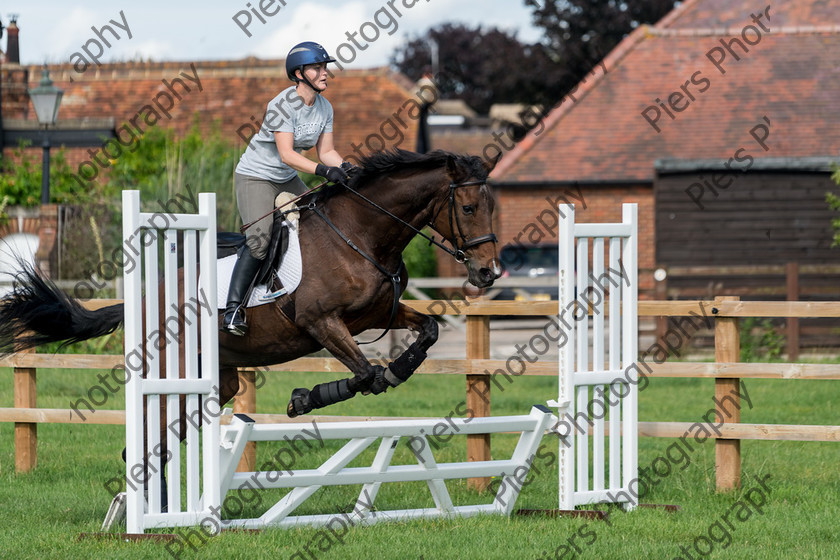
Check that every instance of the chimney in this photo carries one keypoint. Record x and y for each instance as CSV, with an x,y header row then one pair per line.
x,y
12,45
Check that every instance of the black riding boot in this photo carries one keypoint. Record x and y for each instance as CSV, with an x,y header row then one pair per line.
x,y
244,271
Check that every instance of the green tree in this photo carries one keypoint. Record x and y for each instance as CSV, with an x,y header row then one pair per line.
x,y
485,66
760,340
20,179
482,66
163,166
579,33
419,257
160,164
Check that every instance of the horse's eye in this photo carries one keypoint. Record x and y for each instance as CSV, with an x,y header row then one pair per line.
x,y
469,209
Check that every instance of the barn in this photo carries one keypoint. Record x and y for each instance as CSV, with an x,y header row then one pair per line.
x,y
720,121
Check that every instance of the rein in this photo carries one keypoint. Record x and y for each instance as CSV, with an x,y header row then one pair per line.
x,y
457,253
298,197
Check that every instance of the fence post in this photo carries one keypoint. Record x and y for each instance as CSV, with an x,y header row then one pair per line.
x,y
478,393
26,433
792,281
727,349
246,403
660,292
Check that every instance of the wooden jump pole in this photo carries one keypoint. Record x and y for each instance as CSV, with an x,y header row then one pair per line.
x,y
792,332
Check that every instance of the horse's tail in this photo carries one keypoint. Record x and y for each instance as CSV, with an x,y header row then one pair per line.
x,y
37,312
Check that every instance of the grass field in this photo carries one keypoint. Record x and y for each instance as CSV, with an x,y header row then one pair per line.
x,y
44,512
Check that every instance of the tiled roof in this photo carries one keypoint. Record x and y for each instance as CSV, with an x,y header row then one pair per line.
x,y
464,141
726,13
233,91
790,76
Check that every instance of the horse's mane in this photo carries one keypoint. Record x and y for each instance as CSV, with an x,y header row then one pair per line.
x,y
382,163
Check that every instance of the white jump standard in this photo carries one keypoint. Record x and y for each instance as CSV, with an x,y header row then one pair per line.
x,y
208,481
212,451
142,233
590,392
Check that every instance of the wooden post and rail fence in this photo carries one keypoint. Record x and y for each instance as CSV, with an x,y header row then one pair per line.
x,y
726,371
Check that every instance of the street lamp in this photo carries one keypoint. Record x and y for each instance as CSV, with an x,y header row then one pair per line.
x,y
46,98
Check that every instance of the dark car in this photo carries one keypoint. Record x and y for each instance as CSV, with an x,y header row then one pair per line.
x,y
535,261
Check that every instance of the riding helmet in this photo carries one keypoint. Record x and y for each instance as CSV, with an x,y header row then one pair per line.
x,y
303,54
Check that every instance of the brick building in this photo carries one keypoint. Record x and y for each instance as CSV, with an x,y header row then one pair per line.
x,y
742,94
375,108
669,105
232,93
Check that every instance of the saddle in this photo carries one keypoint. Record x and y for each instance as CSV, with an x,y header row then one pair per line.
x,y
229,243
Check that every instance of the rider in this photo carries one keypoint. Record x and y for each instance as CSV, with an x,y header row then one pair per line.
x,y
297,119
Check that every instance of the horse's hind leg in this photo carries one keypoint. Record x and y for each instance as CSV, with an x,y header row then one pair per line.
x,y
332,333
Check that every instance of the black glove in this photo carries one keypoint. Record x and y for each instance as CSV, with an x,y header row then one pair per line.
x,y
350,169
332,174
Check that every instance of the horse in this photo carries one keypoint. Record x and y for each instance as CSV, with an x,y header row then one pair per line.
x,y
352,238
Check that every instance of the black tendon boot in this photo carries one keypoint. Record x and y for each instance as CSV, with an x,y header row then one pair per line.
x,y
244,271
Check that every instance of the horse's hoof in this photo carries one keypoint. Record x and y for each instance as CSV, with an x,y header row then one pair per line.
x,y
298,403
379,384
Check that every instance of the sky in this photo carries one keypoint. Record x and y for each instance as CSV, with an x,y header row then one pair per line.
x,y
53,30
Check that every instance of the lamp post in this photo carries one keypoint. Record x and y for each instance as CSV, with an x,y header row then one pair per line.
x,y
46,98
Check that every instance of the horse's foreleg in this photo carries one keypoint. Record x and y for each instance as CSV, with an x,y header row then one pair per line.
x,y
407,363
333,334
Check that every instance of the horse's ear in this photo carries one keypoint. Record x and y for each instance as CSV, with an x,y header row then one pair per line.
x,y
490,165
453,170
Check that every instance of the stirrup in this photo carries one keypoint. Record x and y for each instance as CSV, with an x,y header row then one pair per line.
x,y
235,329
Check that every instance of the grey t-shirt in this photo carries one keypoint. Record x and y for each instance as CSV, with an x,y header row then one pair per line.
x,y
285,113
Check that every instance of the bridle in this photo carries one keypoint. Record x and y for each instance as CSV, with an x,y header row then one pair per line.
x,y
454,220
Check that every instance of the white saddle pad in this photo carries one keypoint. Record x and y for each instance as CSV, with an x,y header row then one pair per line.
x,y
289,272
